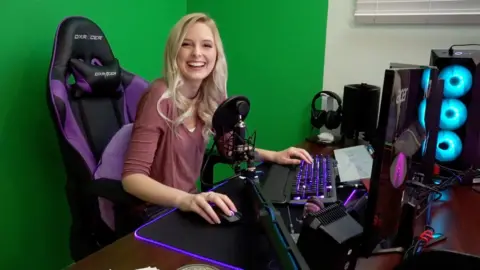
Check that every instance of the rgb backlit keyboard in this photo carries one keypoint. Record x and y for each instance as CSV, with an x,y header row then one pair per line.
x,y
315,179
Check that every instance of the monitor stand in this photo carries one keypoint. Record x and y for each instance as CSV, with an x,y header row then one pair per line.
x,y
397,244
402,240
387,247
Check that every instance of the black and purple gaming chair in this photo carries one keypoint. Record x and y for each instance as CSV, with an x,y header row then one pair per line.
x,y
91,98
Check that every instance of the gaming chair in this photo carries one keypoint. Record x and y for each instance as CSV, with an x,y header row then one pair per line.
x,y
92,102
90,98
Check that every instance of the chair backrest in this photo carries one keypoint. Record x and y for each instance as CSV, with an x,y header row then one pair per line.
x,y
89,110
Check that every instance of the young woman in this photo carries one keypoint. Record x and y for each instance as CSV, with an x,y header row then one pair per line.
x,y
173,123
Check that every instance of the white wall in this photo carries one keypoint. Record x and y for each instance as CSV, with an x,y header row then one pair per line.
x,y
356,54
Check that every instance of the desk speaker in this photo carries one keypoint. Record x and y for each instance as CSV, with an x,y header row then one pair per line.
x,y
360,110
458,138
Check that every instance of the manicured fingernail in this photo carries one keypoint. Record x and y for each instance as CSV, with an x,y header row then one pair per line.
x,y
231,213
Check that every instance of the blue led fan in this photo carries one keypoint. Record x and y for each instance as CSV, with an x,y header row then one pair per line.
x,y
458,81
453,114
449,146
421,113
425,79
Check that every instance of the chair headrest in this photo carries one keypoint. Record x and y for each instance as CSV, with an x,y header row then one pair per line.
x,y
79,38
97,80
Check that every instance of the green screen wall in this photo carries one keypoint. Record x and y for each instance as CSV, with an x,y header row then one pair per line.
x,y
275,52
34,219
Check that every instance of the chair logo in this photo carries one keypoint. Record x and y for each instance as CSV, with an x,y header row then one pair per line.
x,y
105,74
87,37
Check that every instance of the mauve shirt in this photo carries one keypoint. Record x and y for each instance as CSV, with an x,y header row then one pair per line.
x,y
155,151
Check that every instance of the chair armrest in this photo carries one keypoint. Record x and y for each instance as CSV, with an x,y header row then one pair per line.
x,y
209,162
113,191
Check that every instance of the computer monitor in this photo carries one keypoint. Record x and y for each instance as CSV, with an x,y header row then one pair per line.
x,y
286,253
407,131
429,119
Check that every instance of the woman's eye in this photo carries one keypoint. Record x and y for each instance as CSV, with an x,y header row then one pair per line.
x,y
208,45
185,44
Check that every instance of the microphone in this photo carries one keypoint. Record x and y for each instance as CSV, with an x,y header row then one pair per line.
x,y
242,108
231,137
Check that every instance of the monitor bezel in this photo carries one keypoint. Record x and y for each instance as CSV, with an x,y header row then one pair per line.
x,y
369,242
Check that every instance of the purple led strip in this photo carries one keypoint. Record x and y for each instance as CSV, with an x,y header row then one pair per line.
x,y
325,174
317,160
227,266
299,175
350,197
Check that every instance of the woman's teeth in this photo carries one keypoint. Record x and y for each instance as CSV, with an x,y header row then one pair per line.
x,y
196,64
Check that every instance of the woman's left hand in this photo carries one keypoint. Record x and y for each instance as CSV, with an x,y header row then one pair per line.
x,y
292,156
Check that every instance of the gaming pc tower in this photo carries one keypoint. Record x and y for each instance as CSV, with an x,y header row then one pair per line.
x,y
458,138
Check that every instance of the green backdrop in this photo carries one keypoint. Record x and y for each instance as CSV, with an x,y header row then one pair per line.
x,y
275,51
34,219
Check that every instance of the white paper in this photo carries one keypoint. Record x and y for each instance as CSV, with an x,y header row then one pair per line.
x,y
353,163
148,268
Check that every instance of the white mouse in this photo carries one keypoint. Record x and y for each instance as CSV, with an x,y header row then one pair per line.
x,y
326,137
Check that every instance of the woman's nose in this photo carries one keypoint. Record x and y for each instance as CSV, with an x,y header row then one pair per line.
x,y
196,51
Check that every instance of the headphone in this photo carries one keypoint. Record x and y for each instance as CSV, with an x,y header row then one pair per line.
x,y
330,119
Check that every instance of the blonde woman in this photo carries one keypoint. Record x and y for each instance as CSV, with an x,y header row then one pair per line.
x,y
174,119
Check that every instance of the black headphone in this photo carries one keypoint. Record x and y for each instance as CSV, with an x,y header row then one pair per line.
x,y
331,119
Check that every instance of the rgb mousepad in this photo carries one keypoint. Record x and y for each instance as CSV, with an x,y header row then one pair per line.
x,y
233,246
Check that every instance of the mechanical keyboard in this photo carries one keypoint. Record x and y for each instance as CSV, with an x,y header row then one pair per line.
x,y
295,185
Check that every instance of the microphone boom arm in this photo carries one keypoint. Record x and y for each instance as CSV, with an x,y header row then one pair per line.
x,y
243,148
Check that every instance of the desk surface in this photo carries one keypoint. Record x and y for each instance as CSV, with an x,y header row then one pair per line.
x,y
455,217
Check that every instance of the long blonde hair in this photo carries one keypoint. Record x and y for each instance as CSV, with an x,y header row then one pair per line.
x,y
212,89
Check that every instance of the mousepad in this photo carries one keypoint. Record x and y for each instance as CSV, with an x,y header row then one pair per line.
x,y
233,246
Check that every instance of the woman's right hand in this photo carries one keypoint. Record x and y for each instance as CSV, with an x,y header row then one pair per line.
x,y
200,204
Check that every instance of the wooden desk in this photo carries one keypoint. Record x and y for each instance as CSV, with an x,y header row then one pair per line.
x,y
456,216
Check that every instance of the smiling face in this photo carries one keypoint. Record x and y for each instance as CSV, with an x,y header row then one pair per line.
x,y
197,55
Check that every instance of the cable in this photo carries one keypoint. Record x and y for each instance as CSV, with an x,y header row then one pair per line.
x,y
292,231
423,239
426,235
209,153
420,193
450,50
419,242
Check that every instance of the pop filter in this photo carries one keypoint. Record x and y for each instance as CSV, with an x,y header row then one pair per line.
x,y
231,137
228,112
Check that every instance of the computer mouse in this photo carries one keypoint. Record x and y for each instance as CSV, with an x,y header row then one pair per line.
x,y
226,219
326,137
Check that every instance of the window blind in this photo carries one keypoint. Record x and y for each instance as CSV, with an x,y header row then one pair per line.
x,y
417,11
